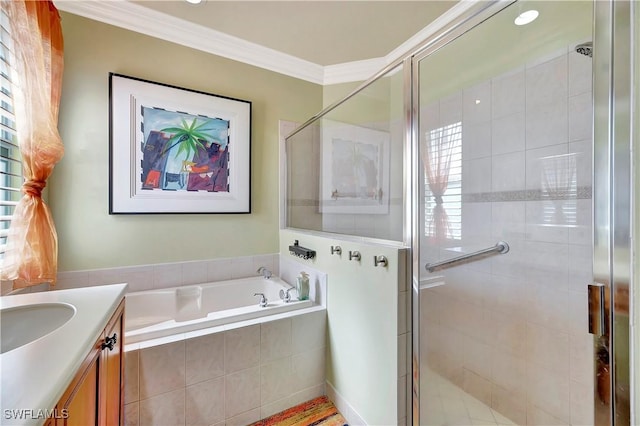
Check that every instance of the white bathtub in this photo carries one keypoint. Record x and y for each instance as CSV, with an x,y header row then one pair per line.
x,y
158,313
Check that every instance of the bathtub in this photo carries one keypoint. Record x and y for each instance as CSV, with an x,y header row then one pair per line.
x,y
159,313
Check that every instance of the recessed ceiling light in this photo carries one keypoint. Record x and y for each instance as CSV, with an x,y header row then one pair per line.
x,y
526,17
194,1
477,101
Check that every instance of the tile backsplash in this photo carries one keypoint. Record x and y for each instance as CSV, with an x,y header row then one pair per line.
x,y
163,275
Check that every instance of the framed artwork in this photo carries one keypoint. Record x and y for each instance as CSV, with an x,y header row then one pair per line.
x,y
176,150
355,169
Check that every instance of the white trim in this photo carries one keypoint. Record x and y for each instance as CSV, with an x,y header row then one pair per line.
x,y
140,19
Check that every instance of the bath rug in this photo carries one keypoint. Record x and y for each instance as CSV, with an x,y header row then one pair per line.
x,y
317,412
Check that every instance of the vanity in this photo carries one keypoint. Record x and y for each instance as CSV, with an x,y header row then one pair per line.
x,y
61,361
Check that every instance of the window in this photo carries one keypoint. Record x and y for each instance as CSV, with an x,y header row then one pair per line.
x,y
10,163
452,197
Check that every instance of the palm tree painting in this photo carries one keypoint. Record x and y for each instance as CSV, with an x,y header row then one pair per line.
x,y
184,152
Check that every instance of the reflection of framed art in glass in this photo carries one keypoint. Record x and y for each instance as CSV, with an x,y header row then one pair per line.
x,y
176,150
355,169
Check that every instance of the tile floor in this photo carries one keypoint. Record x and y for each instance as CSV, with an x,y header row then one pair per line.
x,y
444,404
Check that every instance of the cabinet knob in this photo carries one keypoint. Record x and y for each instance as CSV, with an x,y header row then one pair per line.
x,y
110,342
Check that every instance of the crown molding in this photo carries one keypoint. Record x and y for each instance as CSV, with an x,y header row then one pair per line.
x,y
140,19
131,16
352,71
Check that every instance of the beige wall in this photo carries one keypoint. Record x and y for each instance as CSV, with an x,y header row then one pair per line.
x,y
79,187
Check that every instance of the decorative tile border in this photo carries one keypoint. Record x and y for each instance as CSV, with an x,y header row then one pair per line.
x,y
582,193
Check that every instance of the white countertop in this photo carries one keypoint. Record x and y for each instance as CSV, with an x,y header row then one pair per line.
x,y
35,376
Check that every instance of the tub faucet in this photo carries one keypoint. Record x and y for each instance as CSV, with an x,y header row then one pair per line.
x,y
285,295
266,274
263,300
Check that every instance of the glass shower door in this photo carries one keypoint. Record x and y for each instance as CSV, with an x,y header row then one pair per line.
x,y
504,116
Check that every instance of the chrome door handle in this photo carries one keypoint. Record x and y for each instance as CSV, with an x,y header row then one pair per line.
x,y
597,315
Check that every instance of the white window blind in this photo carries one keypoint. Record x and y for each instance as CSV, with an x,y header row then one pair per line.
x,y
10,159
452,197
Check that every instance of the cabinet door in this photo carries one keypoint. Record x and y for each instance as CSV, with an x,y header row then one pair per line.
x,y
81,401
112,363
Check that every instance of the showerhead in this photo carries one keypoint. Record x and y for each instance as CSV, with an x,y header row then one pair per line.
x,y
585,49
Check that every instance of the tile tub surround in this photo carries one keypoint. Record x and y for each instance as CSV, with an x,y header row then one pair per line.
x,y
234,376
512,330
164,275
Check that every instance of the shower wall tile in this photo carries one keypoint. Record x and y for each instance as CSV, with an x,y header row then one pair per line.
x,y
474,176
580,116
477,359
507,372
578,309
545,220
476,140
511,406
538,417
508,93
508,134
476,106
583,153
547,125
581,404
548,307
547,348
580,267
508,221
550,390
546,83
515,315
476,220
508,172
508,332
540,163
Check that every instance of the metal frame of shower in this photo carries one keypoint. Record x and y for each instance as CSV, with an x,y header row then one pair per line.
x,y
612,184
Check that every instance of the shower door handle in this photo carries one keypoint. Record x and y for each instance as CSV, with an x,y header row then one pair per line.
x,y
597,313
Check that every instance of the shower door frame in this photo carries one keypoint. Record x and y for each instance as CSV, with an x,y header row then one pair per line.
x,y
613,198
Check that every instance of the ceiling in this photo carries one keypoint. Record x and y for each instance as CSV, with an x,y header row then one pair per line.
x,y
321,32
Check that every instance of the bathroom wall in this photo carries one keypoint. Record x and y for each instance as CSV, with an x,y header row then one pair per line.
x,y
512,329
89,238
367,326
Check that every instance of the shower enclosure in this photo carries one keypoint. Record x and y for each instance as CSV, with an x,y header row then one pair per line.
x,y
499,152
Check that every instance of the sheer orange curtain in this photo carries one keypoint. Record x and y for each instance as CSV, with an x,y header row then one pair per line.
x,y
436,153
32,245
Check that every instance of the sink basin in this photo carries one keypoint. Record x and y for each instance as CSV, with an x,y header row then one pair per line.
x,y
24,324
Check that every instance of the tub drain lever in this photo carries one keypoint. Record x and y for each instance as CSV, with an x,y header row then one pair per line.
x,y
263,300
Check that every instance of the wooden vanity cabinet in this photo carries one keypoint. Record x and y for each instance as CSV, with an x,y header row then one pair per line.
x,y
96,394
